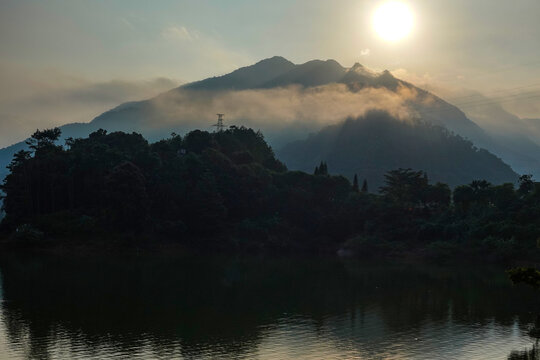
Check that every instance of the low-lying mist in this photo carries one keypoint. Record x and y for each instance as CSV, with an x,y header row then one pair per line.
x,y
278,112
32,99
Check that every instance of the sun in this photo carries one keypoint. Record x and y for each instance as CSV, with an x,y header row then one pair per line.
x,y
393,21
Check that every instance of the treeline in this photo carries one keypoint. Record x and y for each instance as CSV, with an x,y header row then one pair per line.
x,y
227,191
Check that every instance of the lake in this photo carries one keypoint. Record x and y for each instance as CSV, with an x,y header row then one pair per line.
x,y
131,307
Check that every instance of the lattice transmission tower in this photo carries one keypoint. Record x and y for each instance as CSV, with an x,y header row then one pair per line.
x,y
219,126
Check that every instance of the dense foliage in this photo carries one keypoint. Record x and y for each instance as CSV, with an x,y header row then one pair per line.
x,y
226,190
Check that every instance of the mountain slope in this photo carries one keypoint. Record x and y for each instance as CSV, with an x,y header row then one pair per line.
x,y
372,145
281,99
248,77
518,138
312,73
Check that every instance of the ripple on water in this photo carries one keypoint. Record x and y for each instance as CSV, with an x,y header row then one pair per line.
x,y
266,311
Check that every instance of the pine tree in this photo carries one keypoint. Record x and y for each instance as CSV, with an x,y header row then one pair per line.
x,y
323,168
355,183
364,186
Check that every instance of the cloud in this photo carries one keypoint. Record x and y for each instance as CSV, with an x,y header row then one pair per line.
x,y
280,111
365,52
179,33
425,80
195,51
31,99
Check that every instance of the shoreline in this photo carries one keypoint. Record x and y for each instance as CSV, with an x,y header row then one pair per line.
x,y
106,247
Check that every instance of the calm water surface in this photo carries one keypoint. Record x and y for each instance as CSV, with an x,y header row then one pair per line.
x,y
167,307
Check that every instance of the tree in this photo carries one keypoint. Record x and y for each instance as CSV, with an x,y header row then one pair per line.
x,y
207,211
18,160
439,195
127,199
463,197
526,184
355,184
99,133
405,186
322,169
364,186
197,140
43,139
228,189
16,187
529,276
482,191
503,196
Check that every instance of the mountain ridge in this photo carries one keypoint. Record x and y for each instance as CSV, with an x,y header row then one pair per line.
x,y
372,145
272,73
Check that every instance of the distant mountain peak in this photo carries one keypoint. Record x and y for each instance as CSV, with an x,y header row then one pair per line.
x,y
274,60
311,73
334,63
247,77
387,80
330,63
360,69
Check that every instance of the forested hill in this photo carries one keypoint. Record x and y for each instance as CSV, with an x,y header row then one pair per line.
x,y
226,191
376,143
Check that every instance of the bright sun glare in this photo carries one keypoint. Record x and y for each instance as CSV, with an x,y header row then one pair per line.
x,y
393,21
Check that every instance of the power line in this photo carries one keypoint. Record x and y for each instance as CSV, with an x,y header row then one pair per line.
x,y
477,103
499,99
451,78
493,92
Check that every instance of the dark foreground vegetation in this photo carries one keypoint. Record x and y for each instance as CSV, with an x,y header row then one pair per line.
x,y
226,191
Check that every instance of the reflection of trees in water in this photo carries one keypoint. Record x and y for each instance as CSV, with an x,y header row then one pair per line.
x,y
531,354
477,295
125,303
226,306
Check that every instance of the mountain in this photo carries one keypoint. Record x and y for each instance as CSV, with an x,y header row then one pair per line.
x,y
312,73
516,140
533,123
248,77
376,143
286,101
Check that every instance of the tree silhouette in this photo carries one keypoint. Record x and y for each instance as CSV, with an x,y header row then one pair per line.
x,y
227,190
322,169
43,139
355,184
526,184
405,186
364,186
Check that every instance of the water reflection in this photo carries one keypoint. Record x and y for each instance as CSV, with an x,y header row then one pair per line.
x,y
532,354
164,307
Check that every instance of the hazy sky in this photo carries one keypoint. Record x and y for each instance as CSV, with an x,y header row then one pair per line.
x,y
69,60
